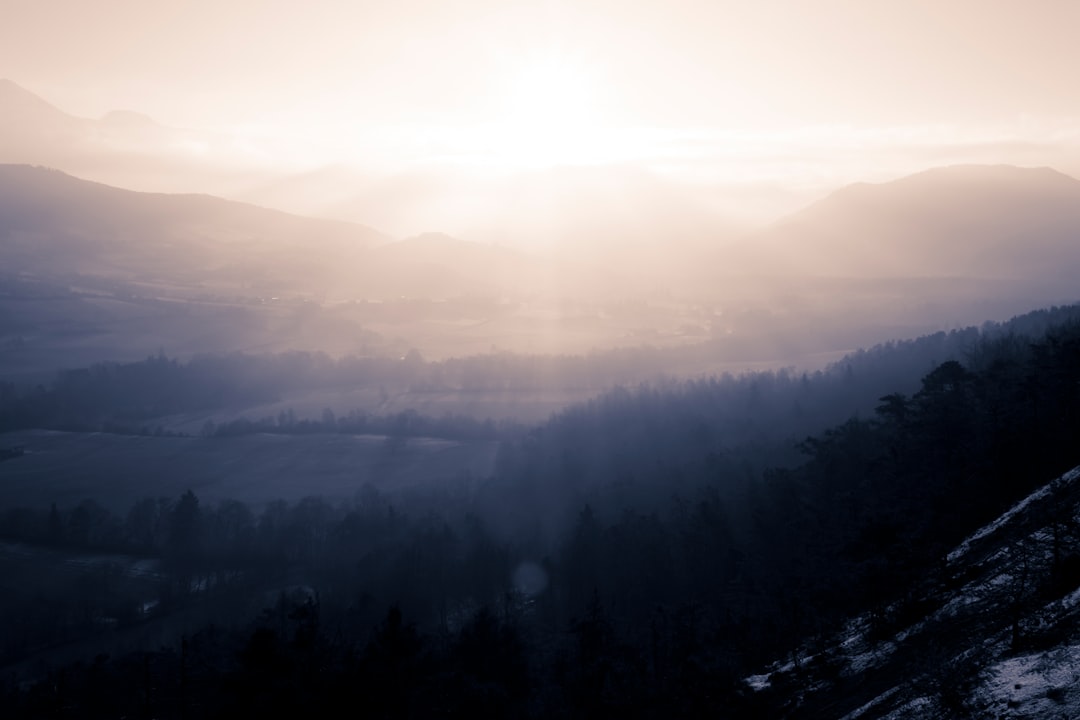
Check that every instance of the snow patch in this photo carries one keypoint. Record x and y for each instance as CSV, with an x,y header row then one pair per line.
x,y
1041,685
871,658
913,709
1071,600
860,711
759,682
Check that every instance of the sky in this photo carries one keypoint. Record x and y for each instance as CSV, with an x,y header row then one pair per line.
x,y
794,93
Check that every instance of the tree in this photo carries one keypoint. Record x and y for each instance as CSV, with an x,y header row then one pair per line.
x,y
186,526
185,539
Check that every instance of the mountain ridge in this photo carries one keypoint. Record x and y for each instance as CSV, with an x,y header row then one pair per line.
x,y
967,220
969,172
12,92
52,222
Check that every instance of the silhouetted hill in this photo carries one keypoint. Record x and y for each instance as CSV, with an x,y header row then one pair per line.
x,y
960,221
54,224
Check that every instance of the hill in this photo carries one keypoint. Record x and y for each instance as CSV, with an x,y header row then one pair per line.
x,y
994,633
93,272
960,221
53,224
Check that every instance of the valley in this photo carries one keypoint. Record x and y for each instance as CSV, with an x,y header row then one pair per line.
x,y
503,360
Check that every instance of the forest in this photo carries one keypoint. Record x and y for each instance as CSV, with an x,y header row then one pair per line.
x,y
637,555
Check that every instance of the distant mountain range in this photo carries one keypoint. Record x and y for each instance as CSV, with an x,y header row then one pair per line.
x,y
90,272
948,246
1000,224
123,147
576,210
53,224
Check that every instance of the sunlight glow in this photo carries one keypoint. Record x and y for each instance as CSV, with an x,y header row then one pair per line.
x,y
550,115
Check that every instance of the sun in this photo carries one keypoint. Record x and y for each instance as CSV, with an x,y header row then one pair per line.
x,y
550,113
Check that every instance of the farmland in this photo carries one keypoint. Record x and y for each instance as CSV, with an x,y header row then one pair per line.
x,y
117,470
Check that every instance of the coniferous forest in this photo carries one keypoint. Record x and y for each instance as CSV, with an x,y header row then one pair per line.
x,y
638,555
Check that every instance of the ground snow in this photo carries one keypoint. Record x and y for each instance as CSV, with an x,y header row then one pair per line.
x,y
759,682
1036,686
1071,600
1015,510
859,712
916,708
870,659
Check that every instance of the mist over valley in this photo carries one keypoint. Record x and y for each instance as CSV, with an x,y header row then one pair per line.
x,y
539,361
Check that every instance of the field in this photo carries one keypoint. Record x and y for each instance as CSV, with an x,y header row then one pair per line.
x,y
117,470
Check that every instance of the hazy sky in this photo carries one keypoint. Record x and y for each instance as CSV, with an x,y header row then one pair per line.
x,y
717,90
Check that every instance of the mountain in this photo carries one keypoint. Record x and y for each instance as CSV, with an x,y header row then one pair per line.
x,y
93,272
123,147
32,130
1019,224
995,634
54,224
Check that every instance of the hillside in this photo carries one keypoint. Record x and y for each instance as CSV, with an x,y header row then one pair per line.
x,y
52,224
959,221
32,130
94,272
994,633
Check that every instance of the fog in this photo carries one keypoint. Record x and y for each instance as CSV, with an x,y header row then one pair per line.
x,y
527,360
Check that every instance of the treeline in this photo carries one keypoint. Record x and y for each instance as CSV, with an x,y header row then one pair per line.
x,y
635,447
134,397
407,423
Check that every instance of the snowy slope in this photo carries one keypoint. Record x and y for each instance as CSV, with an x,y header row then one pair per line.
x,y
995,634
